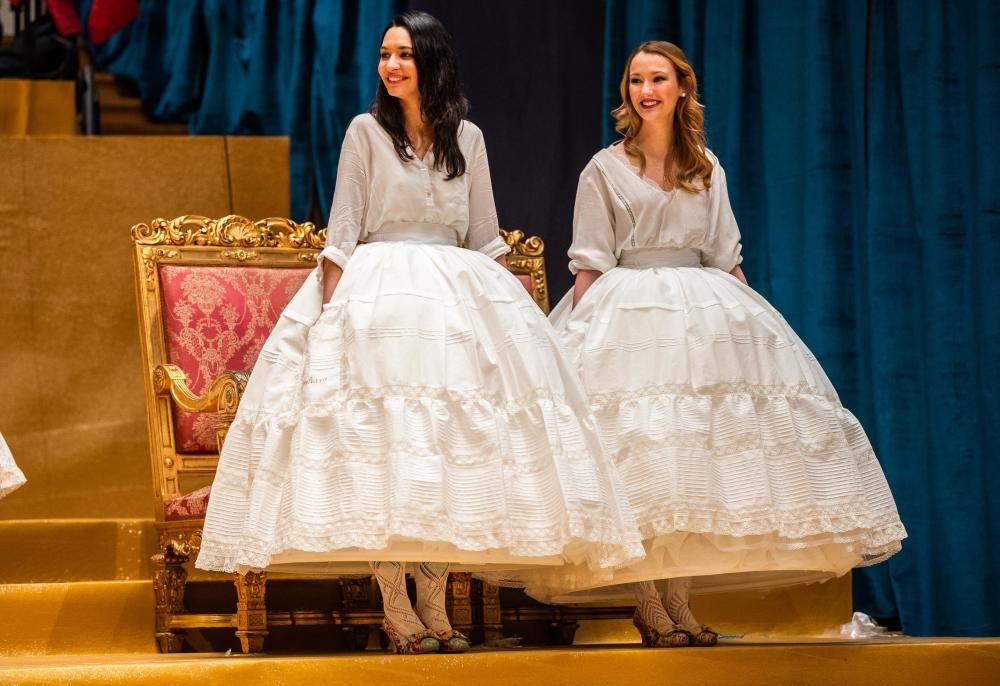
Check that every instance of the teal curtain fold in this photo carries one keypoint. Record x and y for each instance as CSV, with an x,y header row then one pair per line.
x,y
932,243
301,68
856,138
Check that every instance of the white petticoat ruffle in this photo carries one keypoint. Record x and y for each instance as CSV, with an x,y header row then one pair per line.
x,y
426,414
11,477
741,466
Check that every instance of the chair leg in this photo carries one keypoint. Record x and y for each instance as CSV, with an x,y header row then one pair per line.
x,y
458,601
169,577
492,621
251,611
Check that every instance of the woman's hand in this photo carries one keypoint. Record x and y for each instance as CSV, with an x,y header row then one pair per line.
x,y
585,278
331,277
737,271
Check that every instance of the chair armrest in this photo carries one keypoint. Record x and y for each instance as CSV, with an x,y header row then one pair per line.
x,y
223,396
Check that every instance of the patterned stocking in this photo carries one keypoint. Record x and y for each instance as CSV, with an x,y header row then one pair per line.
x,y
432,581
675,598
398,610
650,607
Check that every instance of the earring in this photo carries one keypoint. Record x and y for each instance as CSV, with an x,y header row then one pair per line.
x,y
684,95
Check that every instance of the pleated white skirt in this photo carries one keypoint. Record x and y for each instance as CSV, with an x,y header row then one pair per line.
x,y
427,414
740,464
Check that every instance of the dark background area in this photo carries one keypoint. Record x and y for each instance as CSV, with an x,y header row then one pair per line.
x,y
537,99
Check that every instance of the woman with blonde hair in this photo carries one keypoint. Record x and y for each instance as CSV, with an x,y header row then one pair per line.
x,y
740,463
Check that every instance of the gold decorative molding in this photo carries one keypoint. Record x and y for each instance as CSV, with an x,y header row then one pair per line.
x,y
222,396
241,255
150,256
230,231
181,543
533,246
527,257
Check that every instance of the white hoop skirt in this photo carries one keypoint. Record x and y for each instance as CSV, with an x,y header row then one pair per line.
x,y
741,466
427,414
11,478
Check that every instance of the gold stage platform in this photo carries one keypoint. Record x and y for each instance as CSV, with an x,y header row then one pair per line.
x,y
897,662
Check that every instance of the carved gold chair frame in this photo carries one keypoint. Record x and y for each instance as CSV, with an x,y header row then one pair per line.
x,y
526,257
199,241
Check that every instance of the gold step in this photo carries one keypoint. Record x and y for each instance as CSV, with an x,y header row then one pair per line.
x,y
897,662
58,550
74,618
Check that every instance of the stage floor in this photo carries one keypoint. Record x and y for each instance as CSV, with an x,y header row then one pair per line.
x,y
887,662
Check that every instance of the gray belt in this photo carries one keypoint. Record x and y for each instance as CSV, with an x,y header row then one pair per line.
x,y
645,258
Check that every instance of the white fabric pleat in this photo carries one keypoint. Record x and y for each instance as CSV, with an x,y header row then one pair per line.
x,y
741,466
11,477
427,415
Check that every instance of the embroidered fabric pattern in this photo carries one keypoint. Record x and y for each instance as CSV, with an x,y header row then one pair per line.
x,y
217,318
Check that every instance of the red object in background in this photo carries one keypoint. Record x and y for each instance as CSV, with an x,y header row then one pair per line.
x,y
108,17
64,16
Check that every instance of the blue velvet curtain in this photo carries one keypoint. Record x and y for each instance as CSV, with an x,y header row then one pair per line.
x,y
859,139
301,68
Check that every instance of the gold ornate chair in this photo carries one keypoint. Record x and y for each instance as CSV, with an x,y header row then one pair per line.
x,y
527,262
209,291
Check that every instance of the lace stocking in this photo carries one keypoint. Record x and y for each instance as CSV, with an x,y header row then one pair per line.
x,y
650,607
391,578
432,582
677,602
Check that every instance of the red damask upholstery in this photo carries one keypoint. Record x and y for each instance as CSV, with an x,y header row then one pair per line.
x,y
192,505
525,280
217,318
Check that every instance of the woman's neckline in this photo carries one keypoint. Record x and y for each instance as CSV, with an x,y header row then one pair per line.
x,y
618,152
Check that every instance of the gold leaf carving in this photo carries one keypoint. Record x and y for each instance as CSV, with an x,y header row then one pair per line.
x,y
231,230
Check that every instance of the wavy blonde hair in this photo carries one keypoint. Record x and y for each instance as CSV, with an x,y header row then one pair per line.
x,y
688,147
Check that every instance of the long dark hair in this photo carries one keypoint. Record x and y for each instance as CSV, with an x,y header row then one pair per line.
x,y
441,99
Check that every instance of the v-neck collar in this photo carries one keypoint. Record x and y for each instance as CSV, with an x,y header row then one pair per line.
x,y
627,163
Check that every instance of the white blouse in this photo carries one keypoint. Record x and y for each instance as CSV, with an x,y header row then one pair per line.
x,y
617,209
378,192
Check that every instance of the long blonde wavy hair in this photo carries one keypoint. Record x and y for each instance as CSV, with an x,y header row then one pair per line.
x,y
687,151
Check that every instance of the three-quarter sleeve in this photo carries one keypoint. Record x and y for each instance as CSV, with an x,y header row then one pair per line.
x,y
723,249
349,198
484,229
593,246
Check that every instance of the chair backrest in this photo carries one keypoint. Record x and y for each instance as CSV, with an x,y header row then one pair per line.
x,y
209,292
527,262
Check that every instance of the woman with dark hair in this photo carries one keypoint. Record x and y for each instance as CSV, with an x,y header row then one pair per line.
x,y
741,466
11,478
413,404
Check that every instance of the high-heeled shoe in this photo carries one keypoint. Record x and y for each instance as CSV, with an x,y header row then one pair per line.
x,y
677,637
676,600
702,636
452,641
418,643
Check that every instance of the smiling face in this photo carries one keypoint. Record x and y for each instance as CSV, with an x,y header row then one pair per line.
x,y
653,86
397,66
